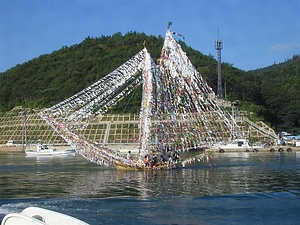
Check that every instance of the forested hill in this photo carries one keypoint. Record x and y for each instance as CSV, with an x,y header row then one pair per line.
x,y
49,79
280,94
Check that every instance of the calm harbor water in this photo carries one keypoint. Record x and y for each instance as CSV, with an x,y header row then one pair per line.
x,y
244,188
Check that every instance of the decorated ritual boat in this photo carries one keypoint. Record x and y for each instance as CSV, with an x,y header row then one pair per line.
x,y
178,111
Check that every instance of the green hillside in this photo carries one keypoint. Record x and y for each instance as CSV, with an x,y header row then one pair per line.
x,y
279,94
271,93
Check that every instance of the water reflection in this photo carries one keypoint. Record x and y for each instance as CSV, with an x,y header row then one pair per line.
x,y
233,178
73,176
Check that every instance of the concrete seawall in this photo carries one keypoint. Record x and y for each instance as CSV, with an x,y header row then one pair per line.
x,y
259,150
124,148
5,149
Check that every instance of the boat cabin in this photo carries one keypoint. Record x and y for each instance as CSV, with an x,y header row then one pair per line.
x,y
43,147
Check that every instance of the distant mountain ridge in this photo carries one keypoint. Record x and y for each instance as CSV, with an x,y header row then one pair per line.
x,y
272,93
289,67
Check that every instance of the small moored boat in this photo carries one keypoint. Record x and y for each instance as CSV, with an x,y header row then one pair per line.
x,y
238,144
43,150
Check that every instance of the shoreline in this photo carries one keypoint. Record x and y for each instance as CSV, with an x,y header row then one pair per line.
x,y
123,148
19,150
5,149
134,149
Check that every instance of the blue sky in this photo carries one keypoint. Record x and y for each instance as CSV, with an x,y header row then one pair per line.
x,y
256,33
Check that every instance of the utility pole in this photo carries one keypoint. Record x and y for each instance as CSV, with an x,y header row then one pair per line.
x,y
218,47
24,132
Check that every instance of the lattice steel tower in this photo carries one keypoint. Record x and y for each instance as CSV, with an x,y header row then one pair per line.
x,y
218,47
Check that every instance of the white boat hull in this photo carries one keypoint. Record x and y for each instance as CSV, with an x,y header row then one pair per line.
x,y
239,144
19,219
51,153
43,150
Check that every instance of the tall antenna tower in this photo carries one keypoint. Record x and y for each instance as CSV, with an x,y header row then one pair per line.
x,y
218,47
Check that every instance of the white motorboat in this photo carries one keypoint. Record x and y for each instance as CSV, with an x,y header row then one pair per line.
x,y
237,144
43,150
40,216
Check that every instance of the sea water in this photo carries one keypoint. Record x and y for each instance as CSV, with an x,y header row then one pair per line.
x,y
244,188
